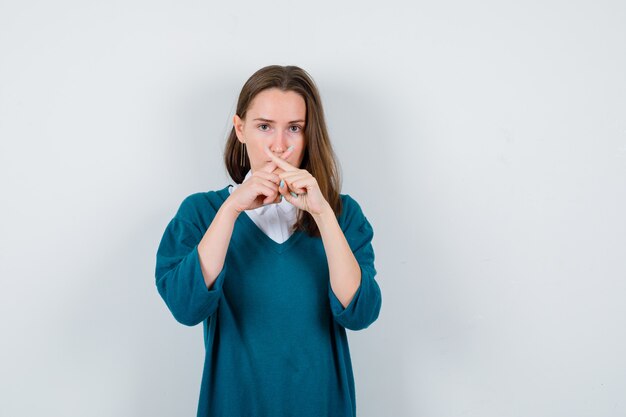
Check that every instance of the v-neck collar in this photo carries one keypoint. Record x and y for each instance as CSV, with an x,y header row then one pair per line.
x,y
244,220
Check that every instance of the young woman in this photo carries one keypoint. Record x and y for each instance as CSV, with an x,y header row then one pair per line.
x,y
277,266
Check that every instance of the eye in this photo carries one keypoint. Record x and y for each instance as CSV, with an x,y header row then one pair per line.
x,y
295,128
263,126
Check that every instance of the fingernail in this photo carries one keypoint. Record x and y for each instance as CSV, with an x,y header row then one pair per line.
x,y
293,194
290,148
282,183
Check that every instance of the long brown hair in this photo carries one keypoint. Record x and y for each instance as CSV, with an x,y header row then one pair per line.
x,y
318,159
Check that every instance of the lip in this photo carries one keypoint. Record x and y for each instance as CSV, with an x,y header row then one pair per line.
x,y
267,161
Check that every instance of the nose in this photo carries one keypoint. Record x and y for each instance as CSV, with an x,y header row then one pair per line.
x,y
279,142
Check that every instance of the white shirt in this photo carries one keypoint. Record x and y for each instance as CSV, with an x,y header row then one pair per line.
x,y
275,220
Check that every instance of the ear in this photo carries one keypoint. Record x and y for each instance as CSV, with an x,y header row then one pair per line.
x,y
238,125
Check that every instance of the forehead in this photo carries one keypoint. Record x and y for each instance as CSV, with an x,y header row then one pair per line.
x,y
274,104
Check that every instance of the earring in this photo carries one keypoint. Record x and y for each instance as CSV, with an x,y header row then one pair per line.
x,y
242,160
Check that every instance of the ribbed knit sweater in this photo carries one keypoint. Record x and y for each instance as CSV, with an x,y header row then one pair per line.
x,y
274,331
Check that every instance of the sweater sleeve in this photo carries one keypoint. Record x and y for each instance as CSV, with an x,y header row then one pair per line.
x,y
365,305
179,277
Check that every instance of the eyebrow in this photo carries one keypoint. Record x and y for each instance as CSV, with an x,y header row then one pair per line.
x,y
272,121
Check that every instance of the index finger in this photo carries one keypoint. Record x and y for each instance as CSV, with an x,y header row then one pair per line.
x,y
280,162
271,166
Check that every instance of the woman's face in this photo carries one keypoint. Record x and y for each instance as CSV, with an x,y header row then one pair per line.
x,y
275,119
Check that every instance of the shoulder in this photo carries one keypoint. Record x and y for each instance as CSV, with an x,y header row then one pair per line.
x,y
351,212
349,206
200,207
354,224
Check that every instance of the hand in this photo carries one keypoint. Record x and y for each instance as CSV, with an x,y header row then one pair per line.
x,y
260,189
299,188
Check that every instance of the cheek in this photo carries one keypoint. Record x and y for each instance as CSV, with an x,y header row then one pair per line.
x,y
257,151
298,141
299,155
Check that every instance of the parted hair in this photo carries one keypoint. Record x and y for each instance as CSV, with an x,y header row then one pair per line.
x,y
319,159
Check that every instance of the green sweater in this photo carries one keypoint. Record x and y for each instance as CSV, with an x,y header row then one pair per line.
x,y
274,331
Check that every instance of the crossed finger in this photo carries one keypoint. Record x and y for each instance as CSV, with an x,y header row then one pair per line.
x,y
276,161
280,162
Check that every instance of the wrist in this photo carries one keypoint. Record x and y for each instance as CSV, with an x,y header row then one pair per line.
x,y
229,209
324,215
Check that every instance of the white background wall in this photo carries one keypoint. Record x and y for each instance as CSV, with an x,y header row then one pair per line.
x,y
485,141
